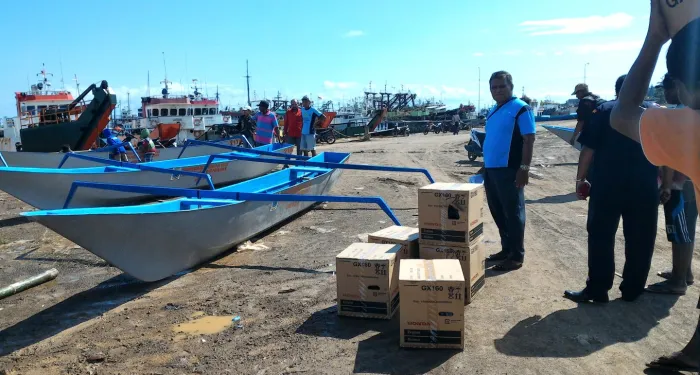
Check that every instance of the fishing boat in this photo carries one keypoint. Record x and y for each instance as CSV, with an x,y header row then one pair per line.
x,y
224,217
47,119
47,188
564,133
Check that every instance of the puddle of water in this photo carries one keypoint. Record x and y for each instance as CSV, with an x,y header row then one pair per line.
x,y
206,325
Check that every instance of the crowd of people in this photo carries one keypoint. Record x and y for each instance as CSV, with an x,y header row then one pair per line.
x,y
300,125
635,156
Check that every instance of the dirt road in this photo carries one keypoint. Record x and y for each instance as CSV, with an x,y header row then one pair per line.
x,y
94,320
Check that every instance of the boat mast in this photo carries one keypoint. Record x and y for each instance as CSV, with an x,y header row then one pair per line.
x,y
77,84
165,81
247,80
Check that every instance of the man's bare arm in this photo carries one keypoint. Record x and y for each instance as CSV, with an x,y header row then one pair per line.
x,y
528,146
584,163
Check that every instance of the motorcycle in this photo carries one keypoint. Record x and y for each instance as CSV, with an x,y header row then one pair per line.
x,y
428,128
325,135
475,146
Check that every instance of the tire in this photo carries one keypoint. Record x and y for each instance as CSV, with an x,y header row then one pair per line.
x,y
472,156
437,131
425,132
330,138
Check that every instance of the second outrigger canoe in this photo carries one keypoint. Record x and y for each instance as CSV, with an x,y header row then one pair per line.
x,y
221,218
47,188
53,159
564,133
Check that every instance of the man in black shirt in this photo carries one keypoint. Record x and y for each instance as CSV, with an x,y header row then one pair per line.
x,y
623,185
247,125
587,102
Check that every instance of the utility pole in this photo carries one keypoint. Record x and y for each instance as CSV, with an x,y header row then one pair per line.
x,y
479,100
247,80
585,71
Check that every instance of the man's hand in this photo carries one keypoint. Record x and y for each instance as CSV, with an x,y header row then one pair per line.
x,y
583,189
664,195
521,178
572,141
658,30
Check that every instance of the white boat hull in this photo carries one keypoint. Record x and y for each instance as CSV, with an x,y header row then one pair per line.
x,y
52,160
166,243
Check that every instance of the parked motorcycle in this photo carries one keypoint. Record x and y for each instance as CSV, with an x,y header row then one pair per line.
x,y
325,135
475,146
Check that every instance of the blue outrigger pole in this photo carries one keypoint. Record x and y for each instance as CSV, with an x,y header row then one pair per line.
x,y
143,167
203,196
317,164
114,147
241,149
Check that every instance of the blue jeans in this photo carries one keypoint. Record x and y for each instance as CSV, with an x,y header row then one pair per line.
x,y
507,206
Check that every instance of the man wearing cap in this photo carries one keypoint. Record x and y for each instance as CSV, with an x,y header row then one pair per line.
x,y
587,103
310,116
266,124
293,123
246,124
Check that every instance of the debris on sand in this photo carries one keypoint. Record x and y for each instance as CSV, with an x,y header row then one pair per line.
x,y
171,306
249,246
94,356
321,230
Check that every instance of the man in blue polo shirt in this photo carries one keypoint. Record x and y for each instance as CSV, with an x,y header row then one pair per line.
x,y
510,136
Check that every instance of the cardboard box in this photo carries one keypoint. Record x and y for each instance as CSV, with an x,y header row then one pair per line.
x,y
407,237
432,304
471,258
451,213
368,280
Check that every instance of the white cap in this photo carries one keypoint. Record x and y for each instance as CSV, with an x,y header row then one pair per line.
x,y
246,108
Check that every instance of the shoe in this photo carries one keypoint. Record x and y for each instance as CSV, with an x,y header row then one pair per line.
x,y
499,256
584,296
630,297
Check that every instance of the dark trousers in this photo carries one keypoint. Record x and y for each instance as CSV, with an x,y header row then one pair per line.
x,y
507,206
639,213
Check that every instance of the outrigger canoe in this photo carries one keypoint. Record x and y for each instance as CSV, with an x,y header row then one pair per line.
x,y
47,188
221,218
52,159
563,133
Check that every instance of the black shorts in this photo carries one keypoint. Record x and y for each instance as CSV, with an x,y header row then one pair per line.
x,y
681,215
292,140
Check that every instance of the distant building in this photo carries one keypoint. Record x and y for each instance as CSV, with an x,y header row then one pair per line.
x,y
572,103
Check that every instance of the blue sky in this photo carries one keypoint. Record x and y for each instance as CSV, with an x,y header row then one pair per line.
x,y
323,48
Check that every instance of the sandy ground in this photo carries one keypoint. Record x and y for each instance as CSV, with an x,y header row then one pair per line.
x,y
94,320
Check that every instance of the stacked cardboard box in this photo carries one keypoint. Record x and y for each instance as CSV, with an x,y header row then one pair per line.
x,y
432,307
407,237
451,226
368,280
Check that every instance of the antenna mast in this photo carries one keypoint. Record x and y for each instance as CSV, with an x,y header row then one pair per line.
x,y
77,84
165,68
247,80
63,84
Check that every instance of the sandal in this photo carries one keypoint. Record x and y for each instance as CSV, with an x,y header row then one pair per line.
x,y
672,362
664,288
668,275
508,265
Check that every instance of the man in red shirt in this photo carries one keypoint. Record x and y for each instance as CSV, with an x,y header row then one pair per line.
x,y
292,125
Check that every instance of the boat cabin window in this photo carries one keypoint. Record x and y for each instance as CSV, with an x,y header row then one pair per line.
x,y
31,109
181,112
189,111
197,111
173,111
212,111
63,107
155,112
148,113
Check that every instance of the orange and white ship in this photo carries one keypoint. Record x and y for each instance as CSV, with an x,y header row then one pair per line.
x,y
48,119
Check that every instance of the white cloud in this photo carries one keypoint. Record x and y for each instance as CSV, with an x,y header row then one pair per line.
x,y
354,34
539,53
585,49
441,91
339,85
582,25
514,52
478,54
